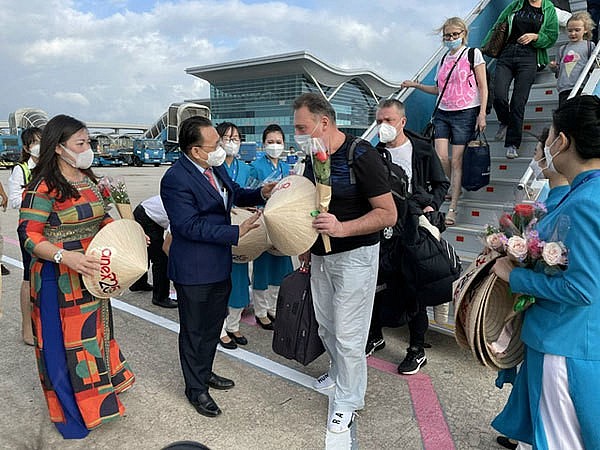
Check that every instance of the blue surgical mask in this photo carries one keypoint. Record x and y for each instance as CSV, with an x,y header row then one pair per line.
x,y
453,45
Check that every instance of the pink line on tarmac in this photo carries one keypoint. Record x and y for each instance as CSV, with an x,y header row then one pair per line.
x,y
428,411
10,240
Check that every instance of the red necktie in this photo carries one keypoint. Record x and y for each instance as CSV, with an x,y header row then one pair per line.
x,y
211,178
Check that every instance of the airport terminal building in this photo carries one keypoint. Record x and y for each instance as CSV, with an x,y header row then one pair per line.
x,y
253,93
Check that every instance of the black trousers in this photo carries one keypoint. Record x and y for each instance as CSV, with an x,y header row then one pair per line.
x,y
516,63
156,256
202,311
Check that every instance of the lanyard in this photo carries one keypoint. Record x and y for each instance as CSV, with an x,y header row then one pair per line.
x,y
591,176
234,170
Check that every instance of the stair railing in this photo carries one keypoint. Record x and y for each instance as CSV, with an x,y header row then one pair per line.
x,y
525,182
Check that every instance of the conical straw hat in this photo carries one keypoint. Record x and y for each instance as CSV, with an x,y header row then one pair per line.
x,y
472,318
253,243
463,291
121,246
288,215
497,309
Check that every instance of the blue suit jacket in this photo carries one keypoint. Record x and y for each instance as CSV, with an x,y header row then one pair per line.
x,y
200,222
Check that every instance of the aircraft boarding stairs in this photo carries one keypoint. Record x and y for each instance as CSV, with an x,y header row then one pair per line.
x,y
510,180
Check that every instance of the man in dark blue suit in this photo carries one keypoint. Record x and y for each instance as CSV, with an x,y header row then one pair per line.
x,y
198,194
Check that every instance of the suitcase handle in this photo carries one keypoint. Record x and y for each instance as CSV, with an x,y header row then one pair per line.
x,y
304,268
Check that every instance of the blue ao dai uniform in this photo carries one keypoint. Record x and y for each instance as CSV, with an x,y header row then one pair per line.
x,y
241,173
563,324
269,269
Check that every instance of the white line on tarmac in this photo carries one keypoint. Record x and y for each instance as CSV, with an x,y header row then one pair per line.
x,y
243,355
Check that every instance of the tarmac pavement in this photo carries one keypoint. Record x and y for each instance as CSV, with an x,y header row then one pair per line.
x,y
448,405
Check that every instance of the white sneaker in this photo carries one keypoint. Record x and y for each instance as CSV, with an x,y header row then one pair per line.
x,y
511,152
340,421
323,382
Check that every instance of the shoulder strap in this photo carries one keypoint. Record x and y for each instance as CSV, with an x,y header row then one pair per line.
x,y
26,171
561,53
471,57
437,105
355,142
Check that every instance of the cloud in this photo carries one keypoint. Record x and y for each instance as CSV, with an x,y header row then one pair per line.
x,y
129,65
72,97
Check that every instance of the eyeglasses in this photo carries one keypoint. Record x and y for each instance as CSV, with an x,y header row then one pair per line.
x,y
455,35
226,140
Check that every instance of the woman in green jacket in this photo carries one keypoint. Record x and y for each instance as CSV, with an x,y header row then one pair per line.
x,y
532,29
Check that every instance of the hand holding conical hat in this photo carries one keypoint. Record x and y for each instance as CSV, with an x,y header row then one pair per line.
x,y
121,247
253,243
288,215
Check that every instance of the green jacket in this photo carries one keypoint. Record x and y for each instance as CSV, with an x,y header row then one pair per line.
x,y
547,35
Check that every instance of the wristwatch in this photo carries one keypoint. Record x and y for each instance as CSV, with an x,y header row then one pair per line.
x,y
58,256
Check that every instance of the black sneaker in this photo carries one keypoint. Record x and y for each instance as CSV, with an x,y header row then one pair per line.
x,y
415,359
374,345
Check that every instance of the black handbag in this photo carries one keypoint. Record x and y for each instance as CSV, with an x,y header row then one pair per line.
x,y
476,163
497,41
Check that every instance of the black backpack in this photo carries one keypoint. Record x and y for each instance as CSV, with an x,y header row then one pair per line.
x,y
398,181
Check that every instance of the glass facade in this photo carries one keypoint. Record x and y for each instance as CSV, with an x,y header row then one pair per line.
x,y
254,104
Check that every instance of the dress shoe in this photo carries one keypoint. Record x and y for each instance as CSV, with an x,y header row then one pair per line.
x,y
231,345
506,442
239,340
135,287
166,303
221,383
206,406
264,326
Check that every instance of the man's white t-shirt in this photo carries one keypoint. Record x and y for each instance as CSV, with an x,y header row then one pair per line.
x,y
402,156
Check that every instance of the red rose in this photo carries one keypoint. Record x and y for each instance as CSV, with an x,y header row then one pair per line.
x,y
321,156
524,210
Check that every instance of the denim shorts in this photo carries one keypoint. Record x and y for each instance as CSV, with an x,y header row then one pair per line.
x,y
457,126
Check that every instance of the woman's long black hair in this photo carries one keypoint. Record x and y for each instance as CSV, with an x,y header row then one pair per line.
x,y
57,131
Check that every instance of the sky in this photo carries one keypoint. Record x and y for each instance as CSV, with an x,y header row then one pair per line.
x,y
125,60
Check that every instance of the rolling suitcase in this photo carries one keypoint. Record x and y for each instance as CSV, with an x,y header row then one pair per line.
x,y
295,329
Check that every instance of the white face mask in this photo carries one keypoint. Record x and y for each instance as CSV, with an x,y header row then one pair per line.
x,y
34,150
538,172
302,139
387,133
549,156
231,148
216,157
274,150
81,160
